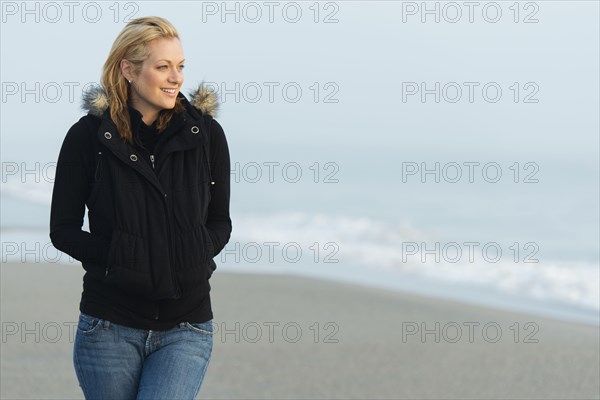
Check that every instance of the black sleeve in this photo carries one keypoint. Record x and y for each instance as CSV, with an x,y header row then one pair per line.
x,y
218,221
74,168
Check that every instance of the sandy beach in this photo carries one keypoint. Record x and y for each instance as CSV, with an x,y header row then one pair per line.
x,y
287,337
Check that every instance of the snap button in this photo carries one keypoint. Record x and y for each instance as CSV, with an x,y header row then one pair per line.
x,y
133,157
195,129
107,135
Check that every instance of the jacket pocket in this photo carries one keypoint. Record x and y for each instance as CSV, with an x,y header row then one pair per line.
x,y
127,263
193,252
210,248
192,248
211,266
94,270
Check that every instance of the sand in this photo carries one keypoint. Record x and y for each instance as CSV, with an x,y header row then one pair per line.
x,y
303,338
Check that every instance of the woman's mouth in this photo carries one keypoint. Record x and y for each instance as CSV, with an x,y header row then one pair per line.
x,y
169,92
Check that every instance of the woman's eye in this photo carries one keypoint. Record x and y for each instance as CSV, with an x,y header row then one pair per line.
x,y
165,66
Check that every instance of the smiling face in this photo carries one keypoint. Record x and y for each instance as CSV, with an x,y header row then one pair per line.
x,y
158,83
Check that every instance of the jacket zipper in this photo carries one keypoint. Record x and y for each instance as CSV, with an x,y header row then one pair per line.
x,y
173,278
98,172
210,178
156,315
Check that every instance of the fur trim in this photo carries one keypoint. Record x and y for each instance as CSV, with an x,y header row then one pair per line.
x,y
204,98
94,100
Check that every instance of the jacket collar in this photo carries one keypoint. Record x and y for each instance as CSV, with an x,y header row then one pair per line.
x,y
203,98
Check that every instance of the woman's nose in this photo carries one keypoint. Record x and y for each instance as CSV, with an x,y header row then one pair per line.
x,y
176,77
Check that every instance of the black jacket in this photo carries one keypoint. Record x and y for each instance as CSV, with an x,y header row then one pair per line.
x,y
155,222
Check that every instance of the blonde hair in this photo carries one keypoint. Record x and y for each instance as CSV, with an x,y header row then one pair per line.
x,y
132,44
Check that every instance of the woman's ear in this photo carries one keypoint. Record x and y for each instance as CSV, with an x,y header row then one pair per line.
x,y
126,69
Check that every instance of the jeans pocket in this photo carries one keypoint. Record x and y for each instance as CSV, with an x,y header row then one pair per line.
x,y
88,324
205,328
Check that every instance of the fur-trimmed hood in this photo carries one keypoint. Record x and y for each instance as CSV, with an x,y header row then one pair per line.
x,y
203,98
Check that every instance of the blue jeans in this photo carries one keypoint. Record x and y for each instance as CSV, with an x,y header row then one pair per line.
x,y
118,362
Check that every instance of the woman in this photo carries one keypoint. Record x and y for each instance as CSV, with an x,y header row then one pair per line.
x,y
153,169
